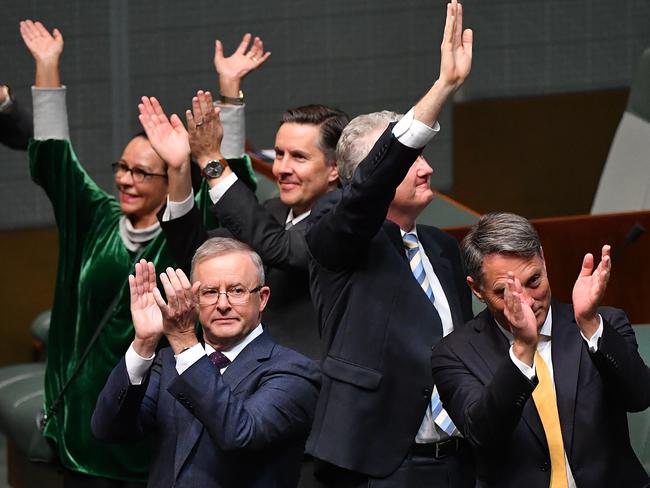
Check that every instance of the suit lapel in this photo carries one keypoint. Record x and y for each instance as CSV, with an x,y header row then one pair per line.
x,y
189,428
395,237
248,360
566,351
492,346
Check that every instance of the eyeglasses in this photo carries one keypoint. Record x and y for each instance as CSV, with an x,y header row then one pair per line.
x,y
236,295
138,175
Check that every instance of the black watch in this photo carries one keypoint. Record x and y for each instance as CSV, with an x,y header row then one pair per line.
x,y
214,168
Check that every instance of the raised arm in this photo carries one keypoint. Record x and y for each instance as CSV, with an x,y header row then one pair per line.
x,y
340,230
171,141
455,65
233,69
46,49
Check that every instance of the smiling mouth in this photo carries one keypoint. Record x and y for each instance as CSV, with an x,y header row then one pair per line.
x,y
127,197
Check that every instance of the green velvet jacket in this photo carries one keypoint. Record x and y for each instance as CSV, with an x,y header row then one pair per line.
x,y
93,267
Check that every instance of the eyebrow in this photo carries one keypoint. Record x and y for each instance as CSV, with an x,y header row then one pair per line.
x,y
143,167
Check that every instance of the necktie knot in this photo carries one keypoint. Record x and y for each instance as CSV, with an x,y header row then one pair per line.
x,y
219,359
411,241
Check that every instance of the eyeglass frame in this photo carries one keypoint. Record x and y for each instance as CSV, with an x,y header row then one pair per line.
x,y
142,175
228,297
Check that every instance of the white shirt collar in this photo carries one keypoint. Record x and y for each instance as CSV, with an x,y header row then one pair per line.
x,y
234,351
299,218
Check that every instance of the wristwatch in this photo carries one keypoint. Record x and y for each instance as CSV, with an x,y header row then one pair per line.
x,y
214,168
233,100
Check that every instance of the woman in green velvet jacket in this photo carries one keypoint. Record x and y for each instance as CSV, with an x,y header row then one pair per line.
x,y
100,239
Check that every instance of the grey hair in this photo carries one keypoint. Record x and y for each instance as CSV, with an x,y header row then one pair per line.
x,y
219,246
498,233
355,143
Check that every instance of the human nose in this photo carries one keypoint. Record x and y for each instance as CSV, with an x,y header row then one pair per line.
x,y
124,177
282,165
223,303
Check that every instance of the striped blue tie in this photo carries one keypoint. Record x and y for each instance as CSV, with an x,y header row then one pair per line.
x,y
438,414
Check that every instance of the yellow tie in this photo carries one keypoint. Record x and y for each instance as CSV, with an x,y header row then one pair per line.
x,y
546,403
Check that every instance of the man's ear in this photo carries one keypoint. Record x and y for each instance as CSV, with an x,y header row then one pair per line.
x,y
333,176
476,290
265,293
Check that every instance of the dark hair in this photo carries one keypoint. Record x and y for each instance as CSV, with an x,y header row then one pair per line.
x,y
498,233
331,122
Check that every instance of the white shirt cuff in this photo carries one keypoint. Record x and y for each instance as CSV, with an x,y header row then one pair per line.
x,y
50,113
188,357
592,343
136,365
413,133
527,371
175,210
220,189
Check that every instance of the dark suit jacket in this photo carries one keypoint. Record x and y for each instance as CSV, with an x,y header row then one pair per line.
x,y
289,315
246,428
16,126
489,400
377,324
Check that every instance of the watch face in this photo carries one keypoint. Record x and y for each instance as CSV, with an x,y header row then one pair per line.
x,y
213,169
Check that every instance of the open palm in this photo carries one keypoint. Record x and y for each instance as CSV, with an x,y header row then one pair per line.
x,y
591,284
167,136
147,319
45,47
456,48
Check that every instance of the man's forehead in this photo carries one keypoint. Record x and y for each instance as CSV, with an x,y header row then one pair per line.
x,y
232,267
498,265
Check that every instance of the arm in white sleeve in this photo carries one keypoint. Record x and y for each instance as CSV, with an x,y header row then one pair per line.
x,y
413,133
527,371
50,113
233,121
137,366
220,189
175,210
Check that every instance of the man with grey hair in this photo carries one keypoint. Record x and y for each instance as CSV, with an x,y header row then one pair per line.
x,y
232,411
538,388
385,291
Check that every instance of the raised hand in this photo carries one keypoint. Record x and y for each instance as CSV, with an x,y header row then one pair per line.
x,y
523,323
234,68
46,49
147,319
204,127
181,310
456,47
589,289
167,136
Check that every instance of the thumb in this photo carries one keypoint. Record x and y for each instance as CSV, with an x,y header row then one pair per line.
x,y
587,265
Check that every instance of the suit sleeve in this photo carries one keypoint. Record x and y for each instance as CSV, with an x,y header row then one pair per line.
x,y
281,408
16,126
126,412
249,221
184,235
338,235
486,415
617,359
